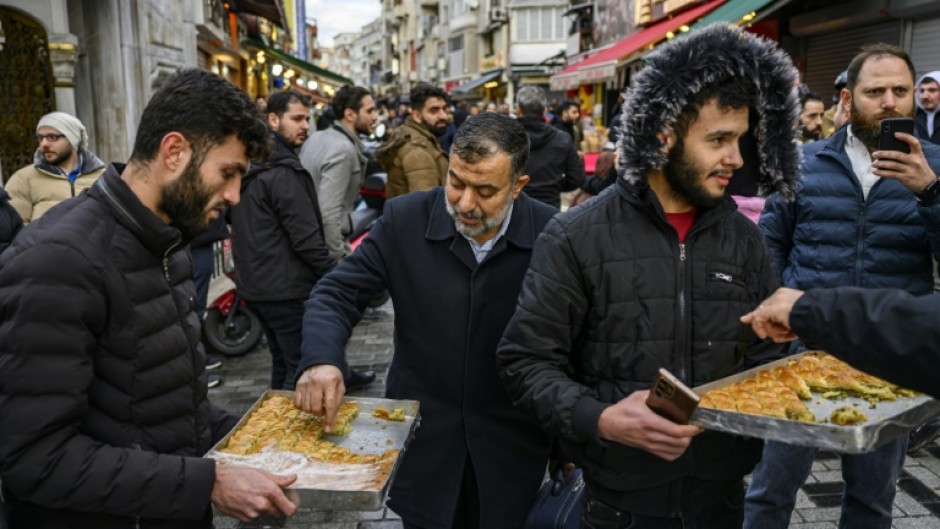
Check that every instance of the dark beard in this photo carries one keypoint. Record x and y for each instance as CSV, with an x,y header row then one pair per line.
x,y
868,129
62,158
437,131
185,201
683,179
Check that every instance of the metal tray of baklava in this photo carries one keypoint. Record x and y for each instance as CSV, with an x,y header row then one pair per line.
x,y
367,435
887,420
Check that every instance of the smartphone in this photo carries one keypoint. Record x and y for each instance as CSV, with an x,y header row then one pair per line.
x,y
887,141
671,398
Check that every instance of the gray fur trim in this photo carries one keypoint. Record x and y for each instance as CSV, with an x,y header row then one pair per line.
x,y
680,68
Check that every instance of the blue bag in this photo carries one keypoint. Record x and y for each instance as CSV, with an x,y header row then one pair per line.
x,y
558,503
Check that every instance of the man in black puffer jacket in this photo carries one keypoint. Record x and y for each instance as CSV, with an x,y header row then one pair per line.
x,y
654,273
104,415
554,165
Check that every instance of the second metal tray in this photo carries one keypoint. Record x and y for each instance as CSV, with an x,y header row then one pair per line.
x,y
368,435
888,420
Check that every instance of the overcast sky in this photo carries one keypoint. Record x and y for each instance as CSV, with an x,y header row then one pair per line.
x,y
341,16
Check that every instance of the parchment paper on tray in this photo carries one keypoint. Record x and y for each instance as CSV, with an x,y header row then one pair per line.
x,y
888,420
361,485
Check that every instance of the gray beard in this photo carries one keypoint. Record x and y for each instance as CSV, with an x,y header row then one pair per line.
x,y
485,226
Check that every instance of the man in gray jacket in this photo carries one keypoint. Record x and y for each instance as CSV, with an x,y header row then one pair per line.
x,y
335,160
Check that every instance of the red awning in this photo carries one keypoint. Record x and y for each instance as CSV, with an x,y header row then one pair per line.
x,y
602,65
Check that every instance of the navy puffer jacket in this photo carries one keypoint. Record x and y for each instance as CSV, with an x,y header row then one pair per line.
x,y
831,236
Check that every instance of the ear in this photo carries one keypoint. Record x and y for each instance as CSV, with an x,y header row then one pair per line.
x,y
846,96
667,140
273,121
349,115
520,183
175,151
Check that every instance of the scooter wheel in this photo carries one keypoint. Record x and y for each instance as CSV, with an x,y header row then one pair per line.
x,y
237,340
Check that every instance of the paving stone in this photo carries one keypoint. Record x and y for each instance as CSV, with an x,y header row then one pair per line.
x,y
908,505
821,515
384,524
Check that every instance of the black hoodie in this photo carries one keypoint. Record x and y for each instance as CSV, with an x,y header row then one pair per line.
x,y
554,165
10,221
277,230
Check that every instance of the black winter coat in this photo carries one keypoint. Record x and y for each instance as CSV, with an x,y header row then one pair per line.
x,y
10,221
610,298
277,230
554,165
449,315
103,403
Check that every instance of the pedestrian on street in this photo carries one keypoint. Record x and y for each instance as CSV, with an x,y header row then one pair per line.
x,y
63,167
452,259
335,159
655,273
554,165
103,399
412,155
277,236
862,217
928,102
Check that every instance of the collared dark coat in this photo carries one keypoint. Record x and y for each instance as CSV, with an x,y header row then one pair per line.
x,y
449,315
104,416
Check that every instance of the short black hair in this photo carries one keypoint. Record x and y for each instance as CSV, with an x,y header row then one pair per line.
x,y
278,103
348,97
879,49
422,92
810,96
487,133
729,93
206,109
565,105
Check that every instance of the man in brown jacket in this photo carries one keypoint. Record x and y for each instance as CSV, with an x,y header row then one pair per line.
x,y
413,157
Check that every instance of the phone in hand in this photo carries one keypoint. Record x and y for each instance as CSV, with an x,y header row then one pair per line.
x,y
887,141
671,398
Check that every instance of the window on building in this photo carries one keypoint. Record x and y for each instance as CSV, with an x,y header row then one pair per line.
x,y
455,56
539,24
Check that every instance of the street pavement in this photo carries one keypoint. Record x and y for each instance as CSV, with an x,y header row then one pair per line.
x,y
917,505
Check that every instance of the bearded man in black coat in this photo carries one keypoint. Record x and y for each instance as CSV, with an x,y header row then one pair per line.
x,y
452,259
104,414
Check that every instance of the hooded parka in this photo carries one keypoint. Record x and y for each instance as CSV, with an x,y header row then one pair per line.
x,y
554,165
612,294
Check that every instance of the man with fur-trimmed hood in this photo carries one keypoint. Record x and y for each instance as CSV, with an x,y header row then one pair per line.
x,y
654,272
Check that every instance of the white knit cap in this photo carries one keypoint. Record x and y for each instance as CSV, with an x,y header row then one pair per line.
x,y
68,125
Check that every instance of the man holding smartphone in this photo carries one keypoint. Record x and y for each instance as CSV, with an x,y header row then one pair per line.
x,y
865,217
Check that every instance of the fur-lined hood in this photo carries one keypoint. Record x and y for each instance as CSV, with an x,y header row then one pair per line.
x,y
678,69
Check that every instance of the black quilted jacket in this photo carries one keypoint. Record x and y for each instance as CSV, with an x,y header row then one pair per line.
x,y
610,297
103,409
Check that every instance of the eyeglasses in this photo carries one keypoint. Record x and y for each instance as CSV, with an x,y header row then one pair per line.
x,y
51,137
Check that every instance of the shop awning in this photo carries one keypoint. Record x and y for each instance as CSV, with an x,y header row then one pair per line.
x,y
478,82
602,65
301,64
269,9
739,12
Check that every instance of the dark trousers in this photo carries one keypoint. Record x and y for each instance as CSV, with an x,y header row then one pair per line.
x,y
282,322
727,513
467,512
202,275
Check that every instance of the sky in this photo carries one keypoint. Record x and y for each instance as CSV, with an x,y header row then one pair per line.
x,y
341,16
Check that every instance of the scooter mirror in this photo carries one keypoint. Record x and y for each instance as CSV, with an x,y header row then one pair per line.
x,y
380,131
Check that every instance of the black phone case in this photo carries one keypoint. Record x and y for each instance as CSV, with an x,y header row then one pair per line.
x,y
887,141
671,398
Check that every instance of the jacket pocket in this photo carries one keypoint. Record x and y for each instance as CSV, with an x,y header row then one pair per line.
x,y
726,278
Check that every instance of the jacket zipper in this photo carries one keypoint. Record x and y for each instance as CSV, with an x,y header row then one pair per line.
x,y
859,245
727,278
72,183
137,518
681,337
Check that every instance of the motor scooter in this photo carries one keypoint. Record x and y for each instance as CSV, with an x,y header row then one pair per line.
x,y
231,327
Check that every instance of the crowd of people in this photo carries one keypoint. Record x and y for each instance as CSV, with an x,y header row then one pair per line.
x,y
530,337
